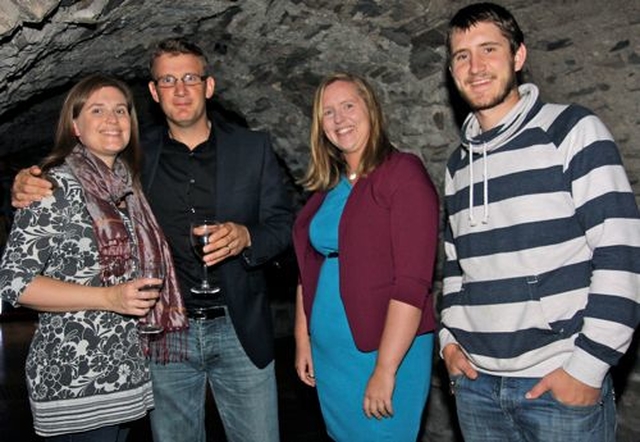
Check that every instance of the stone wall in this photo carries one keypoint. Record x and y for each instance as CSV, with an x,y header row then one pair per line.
x,y
268,56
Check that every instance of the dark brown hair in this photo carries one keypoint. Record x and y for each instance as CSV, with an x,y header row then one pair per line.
x,y
75,100
471,15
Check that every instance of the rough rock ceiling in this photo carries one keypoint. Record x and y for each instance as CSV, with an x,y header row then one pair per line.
x,y
268,56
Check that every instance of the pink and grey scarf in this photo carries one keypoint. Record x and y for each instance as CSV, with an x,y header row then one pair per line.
x,y
105,190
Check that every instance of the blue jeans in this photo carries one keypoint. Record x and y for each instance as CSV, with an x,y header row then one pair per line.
x,y
245,395
111,433
494,409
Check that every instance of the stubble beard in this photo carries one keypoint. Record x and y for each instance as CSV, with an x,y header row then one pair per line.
x,y
479,105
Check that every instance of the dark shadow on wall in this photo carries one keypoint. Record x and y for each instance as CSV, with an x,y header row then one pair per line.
x,y
459,107
621,373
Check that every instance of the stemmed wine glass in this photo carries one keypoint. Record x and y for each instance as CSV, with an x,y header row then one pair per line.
x,y
155,270
199,235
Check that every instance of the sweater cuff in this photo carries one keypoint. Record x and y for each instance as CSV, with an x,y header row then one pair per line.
x,y
586,368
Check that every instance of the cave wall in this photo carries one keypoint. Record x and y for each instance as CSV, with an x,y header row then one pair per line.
x,y
268,55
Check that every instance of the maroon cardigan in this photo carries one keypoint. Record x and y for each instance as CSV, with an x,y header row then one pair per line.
x,y
387,242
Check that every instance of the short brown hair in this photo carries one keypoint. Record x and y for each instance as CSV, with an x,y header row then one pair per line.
x,y
176,46
486,12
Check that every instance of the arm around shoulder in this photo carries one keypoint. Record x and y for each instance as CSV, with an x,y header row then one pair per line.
x,y
29,186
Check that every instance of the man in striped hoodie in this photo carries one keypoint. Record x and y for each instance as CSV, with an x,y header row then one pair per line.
x,y
542,285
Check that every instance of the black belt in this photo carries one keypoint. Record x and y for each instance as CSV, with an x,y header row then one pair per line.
x,y
205,312
333,255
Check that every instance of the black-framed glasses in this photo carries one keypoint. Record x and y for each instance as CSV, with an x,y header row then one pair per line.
x,y
167,81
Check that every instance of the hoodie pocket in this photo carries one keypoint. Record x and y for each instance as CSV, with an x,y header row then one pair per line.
x,y
547,312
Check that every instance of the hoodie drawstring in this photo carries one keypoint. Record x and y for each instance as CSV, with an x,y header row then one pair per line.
x,y
485,171
474,139
485,187
472,220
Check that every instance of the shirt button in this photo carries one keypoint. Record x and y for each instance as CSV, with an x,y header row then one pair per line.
x,y
191,181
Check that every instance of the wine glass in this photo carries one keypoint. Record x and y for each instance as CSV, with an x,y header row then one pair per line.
x,y
199,234
150,269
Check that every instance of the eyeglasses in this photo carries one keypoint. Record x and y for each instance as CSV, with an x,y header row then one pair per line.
x,y
168,81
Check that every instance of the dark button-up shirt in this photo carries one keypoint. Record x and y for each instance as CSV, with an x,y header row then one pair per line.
x,y
185,188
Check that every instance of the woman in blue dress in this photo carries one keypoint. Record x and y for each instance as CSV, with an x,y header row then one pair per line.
x,y
366,246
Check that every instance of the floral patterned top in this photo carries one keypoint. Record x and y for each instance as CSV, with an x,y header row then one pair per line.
x,y
85,369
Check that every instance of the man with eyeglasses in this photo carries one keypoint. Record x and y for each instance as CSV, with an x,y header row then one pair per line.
x,y
196,166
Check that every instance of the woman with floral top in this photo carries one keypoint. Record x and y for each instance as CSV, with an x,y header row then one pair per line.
x,y
72,257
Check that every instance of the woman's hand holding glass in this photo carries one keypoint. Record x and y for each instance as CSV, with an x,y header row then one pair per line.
x,y
127,298
152,275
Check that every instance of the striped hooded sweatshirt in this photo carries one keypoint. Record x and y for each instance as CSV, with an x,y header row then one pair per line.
x,y
542,245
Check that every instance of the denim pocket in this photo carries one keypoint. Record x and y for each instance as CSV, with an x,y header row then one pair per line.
x,y
554,401
589,423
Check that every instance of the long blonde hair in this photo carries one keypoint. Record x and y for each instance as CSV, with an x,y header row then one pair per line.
x,y
327,163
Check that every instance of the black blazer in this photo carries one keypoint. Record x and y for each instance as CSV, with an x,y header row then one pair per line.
x,y
250,190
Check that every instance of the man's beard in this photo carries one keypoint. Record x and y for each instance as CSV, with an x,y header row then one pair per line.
x,y
510,85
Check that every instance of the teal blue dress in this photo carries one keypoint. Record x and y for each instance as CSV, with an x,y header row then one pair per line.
x,y
342,371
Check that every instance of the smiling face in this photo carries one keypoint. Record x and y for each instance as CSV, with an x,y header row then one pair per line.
x,y
103,125
184,106
345,120
484,70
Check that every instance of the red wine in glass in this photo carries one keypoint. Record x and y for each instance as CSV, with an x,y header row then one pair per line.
x,y
155,270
